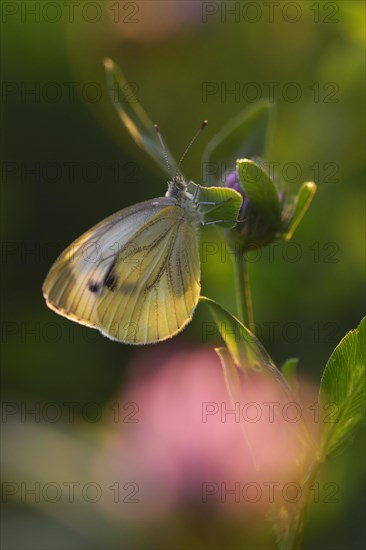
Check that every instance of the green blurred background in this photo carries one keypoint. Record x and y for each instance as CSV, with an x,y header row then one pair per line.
x,y
68,163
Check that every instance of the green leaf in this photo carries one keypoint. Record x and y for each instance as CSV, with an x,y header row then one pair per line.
x,y
231,374
246,135
288,371
235,390
301,204
343,389
222,204
134,117
260,190
245,349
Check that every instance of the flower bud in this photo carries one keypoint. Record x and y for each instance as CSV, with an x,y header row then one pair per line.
x,y
266,213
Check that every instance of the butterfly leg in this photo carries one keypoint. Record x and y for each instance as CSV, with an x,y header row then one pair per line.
x,y
214,202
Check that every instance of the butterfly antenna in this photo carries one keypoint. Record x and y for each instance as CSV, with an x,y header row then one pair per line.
x,y
203,125
163,148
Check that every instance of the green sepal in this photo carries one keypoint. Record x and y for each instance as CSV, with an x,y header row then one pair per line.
x,y
225,207
301,204
261,191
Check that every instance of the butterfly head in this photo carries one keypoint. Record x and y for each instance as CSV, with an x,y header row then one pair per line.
x,y
177,187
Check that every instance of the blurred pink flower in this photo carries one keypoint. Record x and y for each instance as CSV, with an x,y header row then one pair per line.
x,y
192,446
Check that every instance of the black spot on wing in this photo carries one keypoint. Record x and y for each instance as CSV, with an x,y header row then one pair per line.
x,y
110,280
93,286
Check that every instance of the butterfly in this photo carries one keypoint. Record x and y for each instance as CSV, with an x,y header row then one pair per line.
x,y
135,276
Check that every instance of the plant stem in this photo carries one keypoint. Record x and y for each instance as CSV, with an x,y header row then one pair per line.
x,y
244,304
304,503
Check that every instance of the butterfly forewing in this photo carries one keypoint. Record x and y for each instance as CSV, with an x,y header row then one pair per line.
x,y
74,281
134,276
135,118
153,287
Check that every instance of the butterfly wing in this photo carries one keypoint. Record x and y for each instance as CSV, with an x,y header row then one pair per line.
x,y
153,286
135,276
135,118
74,281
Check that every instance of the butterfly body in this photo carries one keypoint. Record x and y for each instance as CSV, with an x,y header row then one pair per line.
x,y
177,189
136,275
